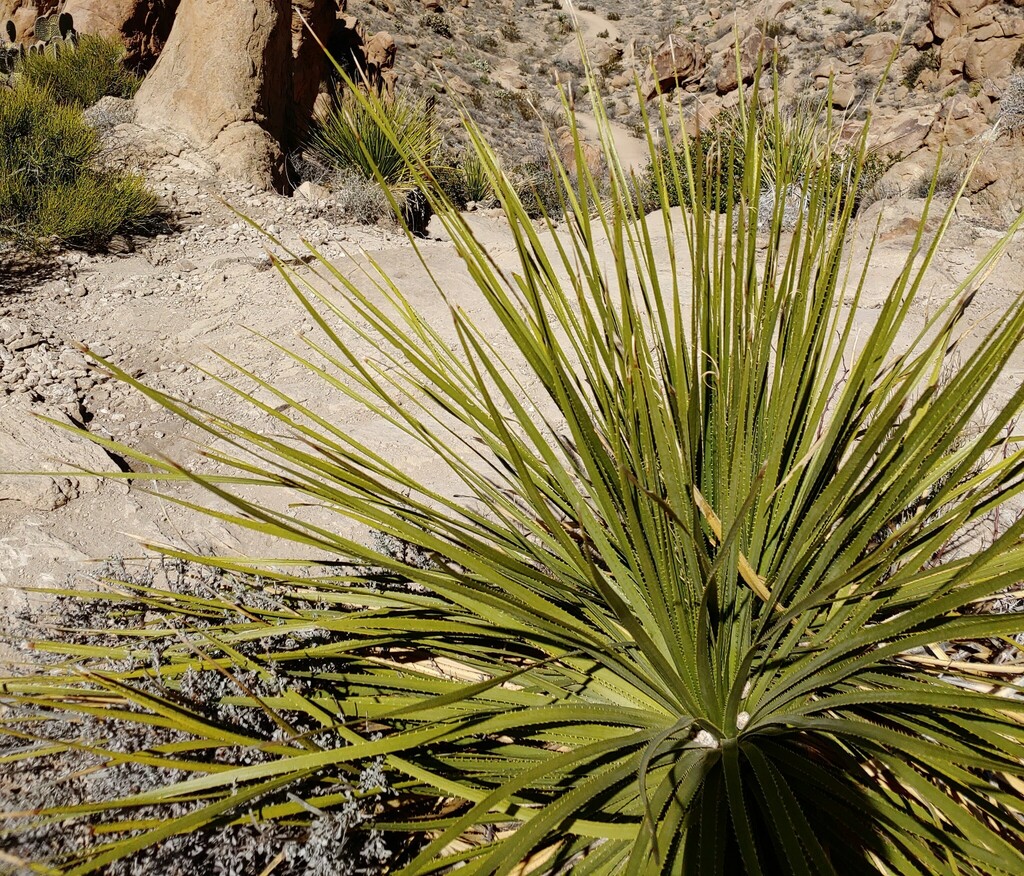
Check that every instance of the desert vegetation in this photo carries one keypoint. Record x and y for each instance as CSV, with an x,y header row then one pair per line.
x,y
691,608
653,534
54,188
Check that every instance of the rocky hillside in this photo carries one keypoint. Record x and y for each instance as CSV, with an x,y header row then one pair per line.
x,y
952,61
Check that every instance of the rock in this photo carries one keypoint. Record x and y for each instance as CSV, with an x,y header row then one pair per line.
x,y
844,93
878,50
26,343
109,112
217,85
870,9
315,194
922,37
991,58
379,61
755,49
143,25
676,62
28,443
309,63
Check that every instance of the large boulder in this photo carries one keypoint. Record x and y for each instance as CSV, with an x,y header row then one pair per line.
x,y
756,51
218,85
676,63
143,25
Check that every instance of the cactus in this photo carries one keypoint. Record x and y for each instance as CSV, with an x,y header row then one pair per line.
x,y
45,28
57,31
53,34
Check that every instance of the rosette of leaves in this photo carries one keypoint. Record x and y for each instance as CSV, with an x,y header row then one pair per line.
x,y
688,609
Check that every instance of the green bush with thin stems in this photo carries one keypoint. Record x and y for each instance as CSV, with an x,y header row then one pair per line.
x,y
51,187
80,76
792,140
348,136
681,611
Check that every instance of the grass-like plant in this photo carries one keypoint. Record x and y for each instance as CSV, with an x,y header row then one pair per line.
x,y
51,187
80,76
689,607
349,137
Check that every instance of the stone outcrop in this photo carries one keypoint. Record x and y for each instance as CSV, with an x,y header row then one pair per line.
x,y
756,50
676,63
143,25
217,85
309,62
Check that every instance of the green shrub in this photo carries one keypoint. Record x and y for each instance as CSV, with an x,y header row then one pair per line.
x,y
927,60
510,31
463,179
350,135
50,186
613,16
96,206
439,23
686,603
81,76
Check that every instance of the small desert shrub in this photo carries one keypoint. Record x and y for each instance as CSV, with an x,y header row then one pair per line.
x,y
947,182
927,60
486,42
603,35
350,136
1011,107
81,76
539,187
439,23
613,16
463,179
50,184
510,31
93,208
360,200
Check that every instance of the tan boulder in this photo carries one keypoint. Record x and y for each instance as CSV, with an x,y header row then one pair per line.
x,y
942,19
870,9
755,49
310,64
218,85
677,62
878,50
922,37
143,25
992,58
905,134
964,120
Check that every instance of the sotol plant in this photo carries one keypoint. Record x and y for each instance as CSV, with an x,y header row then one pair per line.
x,y
685,609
